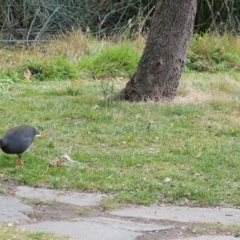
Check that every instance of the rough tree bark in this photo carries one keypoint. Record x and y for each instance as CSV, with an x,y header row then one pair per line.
x,y
160,67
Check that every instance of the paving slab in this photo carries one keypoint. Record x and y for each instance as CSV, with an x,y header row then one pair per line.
x,y
183,214
210,237
129,225
83,230
11,209
75,198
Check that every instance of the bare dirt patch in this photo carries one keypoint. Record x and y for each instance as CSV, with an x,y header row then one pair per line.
x,y
197,97
192,97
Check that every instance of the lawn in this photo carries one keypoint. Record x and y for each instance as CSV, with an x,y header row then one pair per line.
x,y
184,152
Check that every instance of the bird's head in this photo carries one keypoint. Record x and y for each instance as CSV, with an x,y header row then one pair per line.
x,y
2,142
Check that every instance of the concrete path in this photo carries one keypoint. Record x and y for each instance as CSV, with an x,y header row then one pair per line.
x,y
74,198
84,230
225,216
12,209
55,211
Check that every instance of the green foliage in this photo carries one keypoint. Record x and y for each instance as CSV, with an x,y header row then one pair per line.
x,y
116,60
41,69
106,59
213,53
55,69
5,83
208,52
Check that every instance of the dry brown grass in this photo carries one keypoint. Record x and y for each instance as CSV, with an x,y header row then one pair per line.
x,y
192,97
71,45
198,88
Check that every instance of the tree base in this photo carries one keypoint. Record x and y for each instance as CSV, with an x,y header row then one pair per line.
x,y
160,67
134,93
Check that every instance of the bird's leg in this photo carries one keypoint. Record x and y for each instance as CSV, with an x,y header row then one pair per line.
x,y
19,161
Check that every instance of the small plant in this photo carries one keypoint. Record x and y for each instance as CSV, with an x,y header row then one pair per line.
x,y
5,84
108,92
3,191
82,211
73,90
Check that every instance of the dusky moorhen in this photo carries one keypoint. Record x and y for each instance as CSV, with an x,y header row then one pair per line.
x,y
17,140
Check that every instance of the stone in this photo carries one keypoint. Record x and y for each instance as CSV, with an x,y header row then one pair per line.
x,y
225,216
74,198
86,230
129,225
11,209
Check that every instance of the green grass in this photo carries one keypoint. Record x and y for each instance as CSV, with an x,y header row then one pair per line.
x,y
56,62
10,232
116,60
129,149
54,69
78,56
211,228
214,53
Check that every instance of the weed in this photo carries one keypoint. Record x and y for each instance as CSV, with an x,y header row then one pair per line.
x,y
73,90
108,92
108,204
3,191
82,211
5,85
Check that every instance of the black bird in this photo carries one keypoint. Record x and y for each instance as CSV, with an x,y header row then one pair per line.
x,y
17,140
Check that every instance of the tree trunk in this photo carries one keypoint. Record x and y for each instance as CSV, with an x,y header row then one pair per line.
x,y
160,67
